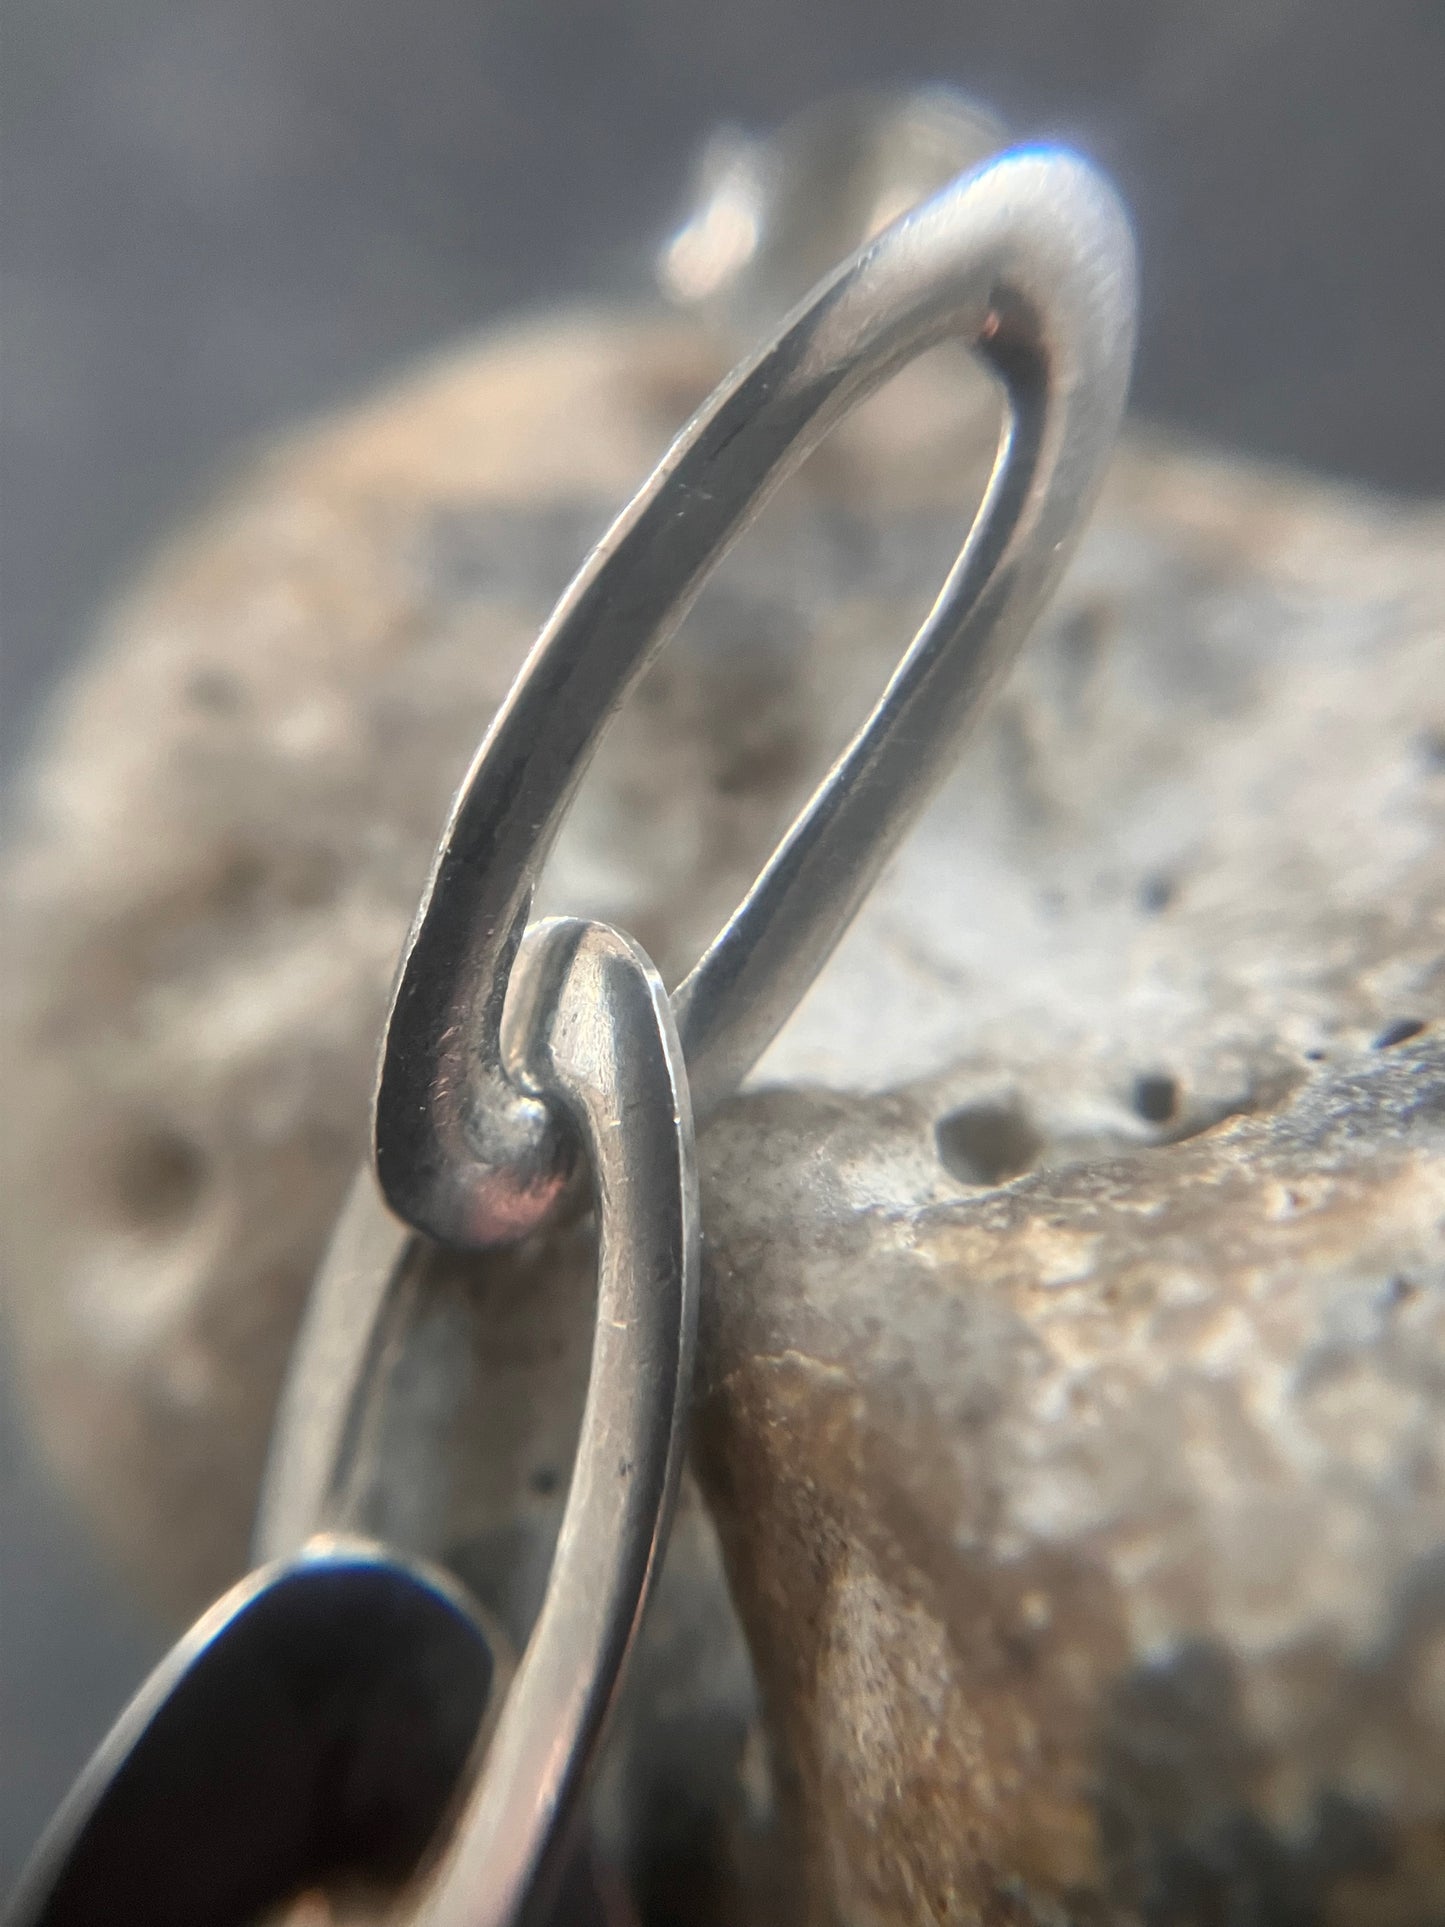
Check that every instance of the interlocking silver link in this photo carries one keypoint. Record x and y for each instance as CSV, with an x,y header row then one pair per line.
x,y
591,1029
1029,259
594,1034
510,1049
595,1031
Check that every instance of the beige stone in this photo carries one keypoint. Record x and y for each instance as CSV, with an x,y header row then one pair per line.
x,y
1072,1366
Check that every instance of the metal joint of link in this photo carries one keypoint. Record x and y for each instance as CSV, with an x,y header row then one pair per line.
x,y
1030,261
508,1049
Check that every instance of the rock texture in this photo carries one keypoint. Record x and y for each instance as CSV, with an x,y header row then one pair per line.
x,y
1072,1409
1087,1530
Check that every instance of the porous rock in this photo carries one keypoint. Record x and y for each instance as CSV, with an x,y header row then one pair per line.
x,y
1074,1339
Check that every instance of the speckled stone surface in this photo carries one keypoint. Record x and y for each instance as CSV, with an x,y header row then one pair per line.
x,y
1074,1343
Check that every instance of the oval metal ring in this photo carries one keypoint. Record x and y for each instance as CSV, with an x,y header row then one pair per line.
x,y
331,1712
595,1033
1030,261
314,1727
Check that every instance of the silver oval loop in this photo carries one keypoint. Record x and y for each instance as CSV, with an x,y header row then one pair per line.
x,y
594,1033
1030,260
245,1769
338,1651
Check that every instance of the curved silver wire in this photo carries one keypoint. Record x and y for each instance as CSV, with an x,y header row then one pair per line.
x,y
1030,260
242,1770
594,1033
590,1028
508,1047
360,1301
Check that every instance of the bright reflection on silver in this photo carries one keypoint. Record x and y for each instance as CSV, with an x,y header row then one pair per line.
x,y
394,1644
1030,261
590,1027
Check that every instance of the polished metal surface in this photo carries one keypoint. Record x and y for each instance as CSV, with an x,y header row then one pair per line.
x,y
1029,260
591,1024
352,1667
315,1725
331,1401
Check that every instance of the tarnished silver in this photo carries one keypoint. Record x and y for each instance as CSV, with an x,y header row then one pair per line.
x,y
590,1029
1030,261
589,1026
314,1726
514,1053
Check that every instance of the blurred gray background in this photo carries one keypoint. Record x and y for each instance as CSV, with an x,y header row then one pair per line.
x,y
218,214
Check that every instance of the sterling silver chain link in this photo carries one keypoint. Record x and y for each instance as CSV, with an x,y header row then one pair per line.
x,y
516,1055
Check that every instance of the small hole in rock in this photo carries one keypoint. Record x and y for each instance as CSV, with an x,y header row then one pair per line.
x,y
1400,1032
239,879
213,690
159,1178
1083,633
545,1480
1156,893
1156,1097
986,1143
311,878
